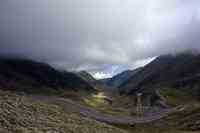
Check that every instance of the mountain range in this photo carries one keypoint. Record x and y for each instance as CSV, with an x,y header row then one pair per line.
x,y
175,71
120,78
32,76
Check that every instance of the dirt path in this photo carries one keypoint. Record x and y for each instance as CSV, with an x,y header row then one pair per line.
x,y
71,106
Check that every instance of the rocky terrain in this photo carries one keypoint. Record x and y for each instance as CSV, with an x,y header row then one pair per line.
x,y
20,114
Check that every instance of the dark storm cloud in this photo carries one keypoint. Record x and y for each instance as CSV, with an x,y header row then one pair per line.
x,y
91,34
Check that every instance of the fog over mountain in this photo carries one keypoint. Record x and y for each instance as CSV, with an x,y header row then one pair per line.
x,y
98,35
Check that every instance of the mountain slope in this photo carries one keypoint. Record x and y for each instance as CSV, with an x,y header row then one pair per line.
x,y
120,78
27,75
86,76
22,114
97,84
178,71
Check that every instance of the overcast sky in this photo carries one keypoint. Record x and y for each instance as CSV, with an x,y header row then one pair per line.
x,y
101,36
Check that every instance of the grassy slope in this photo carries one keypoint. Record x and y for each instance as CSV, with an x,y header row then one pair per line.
x,y
100,104
179,70
187,120
175,97
20,115
35,77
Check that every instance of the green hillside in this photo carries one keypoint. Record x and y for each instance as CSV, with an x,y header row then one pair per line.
x,y
181,70
35,77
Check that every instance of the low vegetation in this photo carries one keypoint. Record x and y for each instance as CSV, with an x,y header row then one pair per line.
x,y
185,120
99,103
18,114
175,97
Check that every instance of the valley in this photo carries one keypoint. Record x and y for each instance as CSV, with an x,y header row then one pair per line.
x,y
161,97
99,66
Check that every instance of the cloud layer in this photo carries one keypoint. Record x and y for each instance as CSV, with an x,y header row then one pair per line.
x,y
97,34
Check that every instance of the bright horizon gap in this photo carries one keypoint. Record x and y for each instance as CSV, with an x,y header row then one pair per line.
x,y
137,64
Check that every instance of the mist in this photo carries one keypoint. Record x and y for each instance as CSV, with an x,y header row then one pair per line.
x,y
98,36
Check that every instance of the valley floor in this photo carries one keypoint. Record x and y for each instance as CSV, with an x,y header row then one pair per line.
x,y
22,114
44,114
70,106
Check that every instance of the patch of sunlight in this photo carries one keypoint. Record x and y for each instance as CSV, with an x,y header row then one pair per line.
x,y
99,95
94,102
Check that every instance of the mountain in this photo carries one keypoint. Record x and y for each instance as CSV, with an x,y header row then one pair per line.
x,y
31,76
97,84
173,71
120,78
86,76
108,83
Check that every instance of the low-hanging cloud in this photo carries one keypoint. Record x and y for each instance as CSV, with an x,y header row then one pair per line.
x,y
91,34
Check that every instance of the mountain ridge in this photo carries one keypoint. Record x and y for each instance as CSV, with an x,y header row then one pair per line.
x,y
120,78
24,74
166,71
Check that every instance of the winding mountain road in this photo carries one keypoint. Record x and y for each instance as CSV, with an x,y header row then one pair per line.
x,y
70,106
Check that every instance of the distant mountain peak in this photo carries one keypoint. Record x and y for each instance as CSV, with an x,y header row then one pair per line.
x,y
167,70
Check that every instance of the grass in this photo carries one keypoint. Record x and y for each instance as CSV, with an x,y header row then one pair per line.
x,y
175,97
151,128
99,103
20,115
186,119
